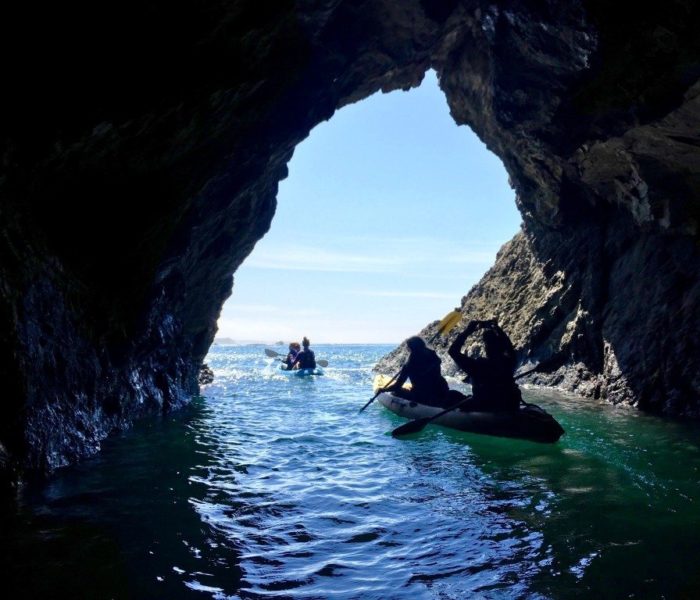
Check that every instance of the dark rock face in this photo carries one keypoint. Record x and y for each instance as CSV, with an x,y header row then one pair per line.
x,y
599,322
142,146
206,375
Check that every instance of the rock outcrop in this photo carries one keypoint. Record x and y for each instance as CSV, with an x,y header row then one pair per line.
x,y
558,313
142,146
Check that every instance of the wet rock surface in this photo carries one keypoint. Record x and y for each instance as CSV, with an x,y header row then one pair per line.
x,y
206,375
142,146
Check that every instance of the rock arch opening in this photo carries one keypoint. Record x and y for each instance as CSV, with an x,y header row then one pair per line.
x,y
389,213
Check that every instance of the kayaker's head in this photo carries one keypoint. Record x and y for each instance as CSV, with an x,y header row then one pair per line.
x,y
415,343
294,346
492,342
305,342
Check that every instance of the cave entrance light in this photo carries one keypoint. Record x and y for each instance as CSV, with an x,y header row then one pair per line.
x,y
390,213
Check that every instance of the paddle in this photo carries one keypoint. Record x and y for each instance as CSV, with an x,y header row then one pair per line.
x,y
419,424
379,391
446,325
273,354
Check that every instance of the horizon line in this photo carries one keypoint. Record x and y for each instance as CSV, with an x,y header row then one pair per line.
x,y
233,342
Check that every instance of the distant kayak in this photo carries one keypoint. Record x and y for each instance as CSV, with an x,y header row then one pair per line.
x,y
301,372
529,423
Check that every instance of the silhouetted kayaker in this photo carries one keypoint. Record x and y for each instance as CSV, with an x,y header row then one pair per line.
x,y
428,386
306,359
491,376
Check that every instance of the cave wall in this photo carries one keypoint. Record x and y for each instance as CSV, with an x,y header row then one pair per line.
x,y
603,281
142,146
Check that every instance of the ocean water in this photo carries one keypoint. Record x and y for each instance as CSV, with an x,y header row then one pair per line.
x,y
273,486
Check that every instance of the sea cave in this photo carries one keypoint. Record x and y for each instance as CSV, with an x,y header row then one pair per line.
x,y
143,146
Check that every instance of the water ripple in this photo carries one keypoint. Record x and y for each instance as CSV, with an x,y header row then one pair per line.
x,y
273,486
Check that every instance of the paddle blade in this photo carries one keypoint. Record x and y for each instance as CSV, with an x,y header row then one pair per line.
x,y
322,363
271,353
449,322
410,427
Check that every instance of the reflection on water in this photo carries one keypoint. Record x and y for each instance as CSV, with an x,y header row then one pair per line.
x,y
274,486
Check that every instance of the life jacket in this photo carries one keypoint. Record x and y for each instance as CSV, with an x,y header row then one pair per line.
x,y
423,369
291,358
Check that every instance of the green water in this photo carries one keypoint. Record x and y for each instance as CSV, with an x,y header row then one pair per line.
x,y
273,486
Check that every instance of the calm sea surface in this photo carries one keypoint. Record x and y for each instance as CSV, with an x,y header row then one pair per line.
x,y
272,486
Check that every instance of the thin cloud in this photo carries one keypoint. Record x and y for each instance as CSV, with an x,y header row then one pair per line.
x,y
320,259
474,257
253,308
433,250
264,311
398,255
423,241
406,294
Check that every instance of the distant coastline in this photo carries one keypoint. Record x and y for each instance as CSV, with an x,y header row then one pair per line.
x,y
227,341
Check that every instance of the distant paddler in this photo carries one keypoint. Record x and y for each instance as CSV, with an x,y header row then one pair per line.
x,y
272,354
294,349
306,359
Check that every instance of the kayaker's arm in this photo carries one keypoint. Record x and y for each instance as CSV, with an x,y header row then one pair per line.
x,y
400,380
455,349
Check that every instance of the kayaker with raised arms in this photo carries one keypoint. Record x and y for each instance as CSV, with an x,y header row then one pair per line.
x,y
493,386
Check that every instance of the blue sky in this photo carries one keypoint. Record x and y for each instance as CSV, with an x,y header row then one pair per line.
x,y
389,215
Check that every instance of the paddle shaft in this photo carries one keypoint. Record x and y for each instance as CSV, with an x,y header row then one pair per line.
x,y
273,354
379,391
419,424
320,363
526,373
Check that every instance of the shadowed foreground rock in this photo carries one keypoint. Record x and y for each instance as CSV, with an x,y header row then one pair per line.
x,y
142,146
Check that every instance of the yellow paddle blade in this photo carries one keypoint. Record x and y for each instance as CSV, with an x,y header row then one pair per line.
x,y
449,322
381,381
